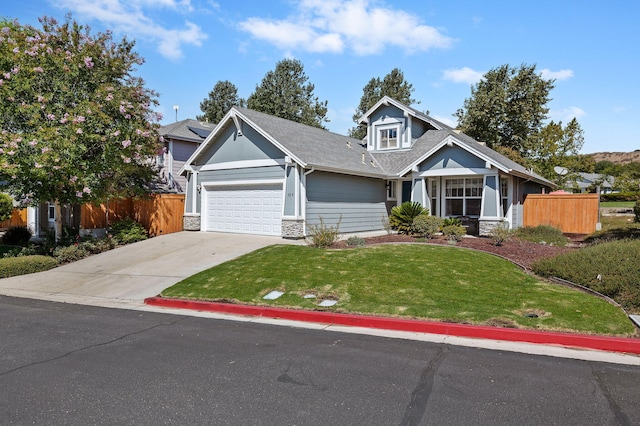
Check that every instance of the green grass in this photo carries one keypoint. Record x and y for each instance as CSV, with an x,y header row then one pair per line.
x,y
542,234
617,204
415,281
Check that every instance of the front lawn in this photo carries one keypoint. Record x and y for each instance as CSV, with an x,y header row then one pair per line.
x,y
617,204
412,280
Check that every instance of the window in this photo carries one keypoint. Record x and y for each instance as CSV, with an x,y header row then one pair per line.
x,y
504,195
391,190
434,197
51,212
389,138
463,197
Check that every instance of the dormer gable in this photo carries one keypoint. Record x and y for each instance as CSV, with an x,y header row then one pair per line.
x,y
392,125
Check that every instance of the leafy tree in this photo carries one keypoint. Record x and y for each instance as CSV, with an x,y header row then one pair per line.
x,y
507,107
6,206
393,85
77,126
286,93
223,96
556,145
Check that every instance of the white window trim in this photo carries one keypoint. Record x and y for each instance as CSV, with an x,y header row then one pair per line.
x,y
392,190
464,198
50,217
384,127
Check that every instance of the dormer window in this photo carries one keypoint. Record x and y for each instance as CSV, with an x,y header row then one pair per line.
x,y
388,138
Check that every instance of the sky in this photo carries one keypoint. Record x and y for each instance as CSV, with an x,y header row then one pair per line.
x,y
442,47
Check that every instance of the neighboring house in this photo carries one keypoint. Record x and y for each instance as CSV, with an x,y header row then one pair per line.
x,y
181,139
260,174
589,182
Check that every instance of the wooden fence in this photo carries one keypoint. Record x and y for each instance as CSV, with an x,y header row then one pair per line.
x,y
18,218
161,214
571,213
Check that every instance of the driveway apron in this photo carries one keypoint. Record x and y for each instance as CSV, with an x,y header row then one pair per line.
x,y
129,274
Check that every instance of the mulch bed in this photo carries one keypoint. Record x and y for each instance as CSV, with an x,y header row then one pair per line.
x,y
523,253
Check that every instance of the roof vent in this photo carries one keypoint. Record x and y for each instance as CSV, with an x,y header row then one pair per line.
x,y
363,157
482,143
349,144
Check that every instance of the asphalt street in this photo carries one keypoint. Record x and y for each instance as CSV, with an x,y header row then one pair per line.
x,y
77,365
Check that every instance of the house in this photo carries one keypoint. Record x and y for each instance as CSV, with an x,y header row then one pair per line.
x,y
260,174
181,139
589,182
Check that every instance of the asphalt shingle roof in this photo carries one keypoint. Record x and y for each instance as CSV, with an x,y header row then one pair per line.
x,y
320,148
183,130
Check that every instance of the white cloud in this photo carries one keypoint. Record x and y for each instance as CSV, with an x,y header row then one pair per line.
x,y
462,75
556,75
335,25
567,114
129,17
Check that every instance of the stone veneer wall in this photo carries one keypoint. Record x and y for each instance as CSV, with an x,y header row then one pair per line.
x,y
191,222
486,226
292,228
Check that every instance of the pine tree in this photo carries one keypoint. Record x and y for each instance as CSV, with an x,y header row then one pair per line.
x,y
220,100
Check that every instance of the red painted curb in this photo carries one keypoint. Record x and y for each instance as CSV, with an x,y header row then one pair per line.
x,y
611,344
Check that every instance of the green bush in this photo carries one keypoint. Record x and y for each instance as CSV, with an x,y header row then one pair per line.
x,y
451,221
13,266
6,206
22,251
72,253
323,235
620,196
454,232
17,236
499,234
355,241
612,269
630,232
127,231
402,216
426,225
636,212
542,234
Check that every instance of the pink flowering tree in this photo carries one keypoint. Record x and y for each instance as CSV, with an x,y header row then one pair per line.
x,y
76,125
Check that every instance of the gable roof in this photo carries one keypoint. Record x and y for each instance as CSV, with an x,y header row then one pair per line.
x,y
187,130
386,100
321,149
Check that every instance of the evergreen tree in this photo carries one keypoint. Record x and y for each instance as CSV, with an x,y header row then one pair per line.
x,y
285,92
507,108
393,85
223,96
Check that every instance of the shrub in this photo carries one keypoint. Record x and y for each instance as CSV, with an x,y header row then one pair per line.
x,y
6,206
636,212
499,234
612,269
426,225
613,234
355,241
70,253
620,196
451,221
17,236
323,235
22,251
13,266
127,231
402,216
543,234
454,232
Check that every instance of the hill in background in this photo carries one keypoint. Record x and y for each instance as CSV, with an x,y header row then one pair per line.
x,y
617,157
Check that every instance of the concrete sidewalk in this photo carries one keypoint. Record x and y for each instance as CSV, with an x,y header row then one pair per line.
x,y
125,276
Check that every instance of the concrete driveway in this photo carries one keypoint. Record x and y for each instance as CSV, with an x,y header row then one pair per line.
x,y
129,274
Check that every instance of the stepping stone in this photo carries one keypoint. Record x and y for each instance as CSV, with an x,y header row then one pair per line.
x,y
273,295
309,296
327,302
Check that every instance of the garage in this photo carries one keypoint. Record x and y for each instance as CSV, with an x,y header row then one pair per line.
x,y
254,209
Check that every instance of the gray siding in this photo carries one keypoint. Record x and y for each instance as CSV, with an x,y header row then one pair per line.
x,y
290,192
489,196
359,203
452,157
254,173
181,153
387,111
188,195
229,147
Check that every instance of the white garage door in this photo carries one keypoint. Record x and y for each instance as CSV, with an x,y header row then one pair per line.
x,y
255,209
